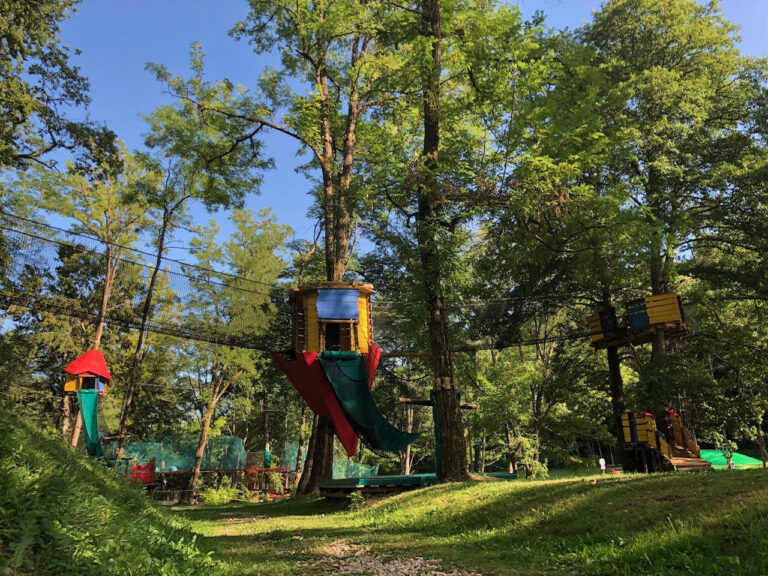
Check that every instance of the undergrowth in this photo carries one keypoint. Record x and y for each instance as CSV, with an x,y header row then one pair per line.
x,y
64,514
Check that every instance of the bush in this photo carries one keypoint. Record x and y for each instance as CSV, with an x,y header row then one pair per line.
x,y
62,513
356,501
224,492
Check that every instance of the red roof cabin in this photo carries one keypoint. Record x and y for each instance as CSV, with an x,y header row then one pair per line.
x,y
88,372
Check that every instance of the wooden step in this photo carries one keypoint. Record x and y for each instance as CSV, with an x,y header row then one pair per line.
x,y
688,464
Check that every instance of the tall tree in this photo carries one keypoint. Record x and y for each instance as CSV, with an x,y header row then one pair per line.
x,y
99,204
337,51
239,304
688,92
192,158
38,82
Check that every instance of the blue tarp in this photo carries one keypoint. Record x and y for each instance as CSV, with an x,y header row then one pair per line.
x,y
337,304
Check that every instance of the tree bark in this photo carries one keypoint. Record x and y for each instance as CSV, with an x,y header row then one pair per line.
x,y
482,453
511,452
65,415
761,443
406,456
453,452
206,426
302,440
319,464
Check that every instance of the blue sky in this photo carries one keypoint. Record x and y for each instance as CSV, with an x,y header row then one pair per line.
x,y
117,38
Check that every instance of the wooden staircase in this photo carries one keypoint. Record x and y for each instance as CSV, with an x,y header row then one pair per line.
x,y
686,458
690,464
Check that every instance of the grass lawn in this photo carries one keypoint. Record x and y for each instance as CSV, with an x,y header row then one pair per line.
x,y
635,524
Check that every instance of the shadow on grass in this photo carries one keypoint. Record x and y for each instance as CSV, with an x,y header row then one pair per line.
x,y
657,524
301,506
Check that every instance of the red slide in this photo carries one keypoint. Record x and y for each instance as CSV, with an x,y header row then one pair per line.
x,y
307,376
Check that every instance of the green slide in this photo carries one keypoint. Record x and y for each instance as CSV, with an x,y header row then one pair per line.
x,y
89,410
346,373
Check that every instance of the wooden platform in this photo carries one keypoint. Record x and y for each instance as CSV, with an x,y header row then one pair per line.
x,y
691,464
625,336
375,484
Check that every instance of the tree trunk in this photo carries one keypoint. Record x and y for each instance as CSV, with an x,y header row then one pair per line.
x,y
616,384
761,443
112,256
482,453
406,456
137,354
206,426
511,453
319,464
65,415
453,451
302,440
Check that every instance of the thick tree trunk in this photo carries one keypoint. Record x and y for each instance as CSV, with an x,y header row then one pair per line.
x,y
206,426
319,464
453,450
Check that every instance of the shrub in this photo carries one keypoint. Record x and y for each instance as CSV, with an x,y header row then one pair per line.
x,y
62,513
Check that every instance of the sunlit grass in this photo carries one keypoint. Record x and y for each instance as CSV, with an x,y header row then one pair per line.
x,y
635,524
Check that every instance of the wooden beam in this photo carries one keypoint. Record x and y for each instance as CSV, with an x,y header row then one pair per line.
x,y
419,402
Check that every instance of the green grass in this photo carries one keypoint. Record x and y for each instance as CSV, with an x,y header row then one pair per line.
x,y
64,514
657,524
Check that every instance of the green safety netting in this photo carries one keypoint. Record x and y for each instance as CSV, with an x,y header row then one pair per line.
x,y
89,410
719,462
177,453
346,373
342,467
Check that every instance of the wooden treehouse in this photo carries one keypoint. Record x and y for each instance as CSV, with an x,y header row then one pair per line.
x,y
652,443
87,372
334,361
661,444
643,319
332,316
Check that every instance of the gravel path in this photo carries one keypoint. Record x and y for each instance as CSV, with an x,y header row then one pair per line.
x,y
350,559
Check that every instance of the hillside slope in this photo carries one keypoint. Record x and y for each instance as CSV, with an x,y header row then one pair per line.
x,y
62,513
707,523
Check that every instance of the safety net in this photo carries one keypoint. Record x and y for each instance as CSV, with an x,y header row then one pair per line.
x,y
719,462
89,409
177,453
346,373
342,467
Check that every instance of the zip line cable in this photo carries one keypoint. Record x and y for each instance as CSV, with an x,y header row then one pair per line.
x,y
37,279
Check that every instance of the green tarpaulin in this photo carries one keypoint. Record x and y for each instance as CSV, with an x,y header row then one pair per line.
x,y
719,462
89,411
346,373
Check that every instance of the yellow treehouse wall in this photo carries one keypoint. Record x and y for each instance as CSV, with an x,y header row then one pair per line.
x,y
311,323
363,325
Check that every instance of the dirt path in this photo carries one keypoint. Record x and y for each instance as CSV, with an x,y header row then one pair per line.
x,y
347,558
